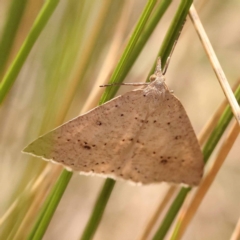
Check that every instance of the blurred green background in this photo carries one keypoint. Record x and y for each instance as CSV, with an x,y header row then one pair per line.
x,y
75,53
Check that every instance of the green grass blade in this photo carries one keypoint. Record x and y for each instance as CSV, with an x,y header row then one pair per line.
x,y
173,32
10,29
117,74
153,21
168,44
38,26
98,210
50,206
109,184
207,151
108,94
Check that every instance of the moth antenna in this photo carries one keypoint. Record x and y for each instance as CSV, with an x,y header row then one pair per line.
x,y
124,84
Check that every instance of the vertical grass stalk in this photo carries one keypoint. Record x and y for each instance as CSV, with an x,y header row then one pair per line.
x,y
39,24
10,30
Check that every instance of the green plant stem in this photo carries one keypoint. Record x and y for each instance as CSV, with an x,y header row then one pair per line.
x,y
207,151
50,206
173,32
152,23
168,43
38,26
98,210
10,29
117,74
54,197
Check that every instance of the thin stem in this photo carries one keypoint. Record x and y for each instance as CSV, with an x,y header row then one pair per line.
x,y
10,30
117,74
39,24
50,206
173,33
105,193
98,210
215,63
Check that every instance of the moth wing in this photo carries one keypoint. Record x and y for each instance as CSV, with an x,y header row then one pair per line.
x,y
97,140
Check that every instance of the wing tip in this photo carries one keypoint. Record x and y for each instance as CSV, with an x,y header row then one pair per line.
x,y
26,150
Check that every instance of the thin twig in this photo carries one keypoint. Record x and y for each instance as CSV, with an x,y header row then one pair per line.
x,y
215,63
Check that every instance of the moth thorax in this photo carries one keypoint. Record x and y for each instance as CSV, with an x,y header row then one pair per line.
x,y
154,77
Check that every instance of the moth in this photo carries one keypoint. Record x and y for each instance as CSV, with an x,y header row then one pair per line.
x,y
144,136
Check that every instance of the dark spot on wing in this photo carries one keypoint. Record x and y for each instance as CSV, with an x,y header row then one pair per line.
x,y
87,147
99,123
164,161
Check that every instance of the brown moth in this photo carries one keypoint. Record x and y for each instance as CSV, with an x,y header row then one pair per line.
x,y
144,136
